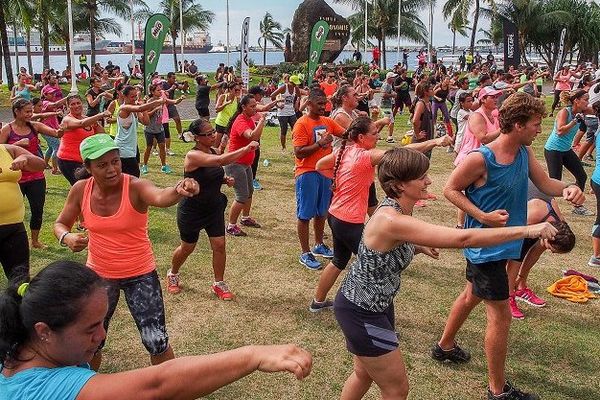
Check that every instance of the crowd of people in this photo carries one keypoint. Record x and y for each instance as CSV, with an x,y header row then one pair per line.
x,y
53,327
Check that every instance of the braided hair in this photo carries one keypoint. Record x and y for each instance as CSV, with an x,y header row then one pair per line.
x,y
359,126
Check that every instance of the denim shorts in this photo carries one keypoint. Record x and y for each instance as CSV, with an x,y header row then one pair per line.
x,y
313,195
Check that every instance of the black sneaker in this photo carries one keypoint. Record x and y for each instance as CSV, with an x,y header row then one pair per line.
x,y
317,306
512,393
455,355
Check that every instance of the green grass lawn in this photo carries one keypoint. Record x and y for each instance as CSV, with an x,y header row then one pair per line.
x,y
553,352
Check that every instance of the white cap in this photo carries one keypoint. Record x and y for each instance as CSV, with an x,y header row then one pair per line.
x,y
390,75
594,94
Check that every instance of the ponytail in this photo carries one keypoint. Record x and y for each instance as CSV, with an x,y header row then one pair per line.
x,y
360,126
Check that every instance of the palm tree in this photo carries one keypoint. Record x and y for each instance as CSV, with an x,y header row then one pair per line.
x,y
463,7
495,34
23,14
118,8
383,21
5,48
458,24
194,18
270,31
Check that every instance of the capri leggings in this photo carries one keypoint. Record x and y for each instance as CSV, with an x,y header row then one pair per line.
x,y
35,191
14,252
596,226
53,144
555,160
443,107
255,162
346,237
285,121
145,301
68,169
556,99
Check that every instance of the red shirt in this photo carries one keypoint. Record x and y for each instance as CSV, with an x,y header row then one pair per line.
x,y
237,140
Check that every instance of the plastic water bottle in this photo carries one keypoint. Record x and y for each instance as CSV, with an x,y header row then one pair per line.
x,y
266,162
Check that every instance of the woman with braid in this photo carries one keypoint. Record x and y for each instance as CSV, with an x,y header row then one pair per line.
x,y
352,168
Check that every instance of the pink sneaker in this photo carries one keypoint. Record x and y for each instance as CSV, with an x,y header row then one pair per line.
x,y
420,203
529,297
514,308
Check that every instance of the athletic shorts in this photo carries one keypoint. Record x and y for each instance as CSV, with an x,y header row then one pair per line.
x,y
373,196
489,279
131,166
150,136
403,99
166,130
387,112
242,174
209,217
527,245
203,112
313,195
592,128
367,333
346,237
145,302
173,113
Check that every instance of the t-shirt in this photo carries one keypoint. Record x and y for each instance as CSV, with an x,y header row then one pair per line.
x,y
63,383
456,105
308,131
403,86
354,176
166,87
236,140
386,102
202,96
462,118
329,89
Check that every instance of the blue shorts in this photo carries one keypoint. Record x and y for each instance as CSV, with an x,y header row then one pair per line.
x,y
313,195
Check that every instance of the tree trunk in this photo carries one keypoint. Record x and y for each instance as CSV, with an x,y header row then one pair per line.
x,y
1,53
45,38
383,52
28,46
264,51
6,51
68,48
474,31
16,47
173,38
453,40
92,7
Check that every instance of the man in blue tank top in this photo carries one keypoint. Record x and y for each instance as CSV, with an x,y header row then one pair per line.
x,y
490,186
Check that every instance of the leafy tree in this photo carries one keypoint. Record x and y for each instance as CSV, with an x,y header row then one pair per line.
x,y
5,48
462,7
270,31
458,24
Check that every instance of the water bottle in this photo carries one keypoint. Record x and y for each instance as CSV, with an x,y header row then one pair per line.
x,y
266,162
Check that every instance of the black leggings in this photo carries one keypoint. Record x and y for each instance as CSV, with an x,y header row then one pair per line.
x,y
35,191
14,252
556,99
596,226
256,161
68,169
555,160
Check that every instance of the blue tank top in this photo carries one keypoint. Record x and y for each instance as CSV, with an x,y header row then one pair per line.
x,y
126,139
596,174
504,189
24,94
564,142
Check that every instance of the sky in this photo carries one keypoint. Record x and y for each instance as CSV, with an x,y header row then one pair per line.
x,y
283,12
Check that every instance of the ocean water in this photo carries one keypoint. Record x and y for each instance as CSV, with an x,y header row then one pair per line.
x,y
207,62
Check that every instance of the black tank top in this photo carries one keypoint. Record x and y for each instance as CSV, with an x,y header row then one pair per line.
x,y
210,180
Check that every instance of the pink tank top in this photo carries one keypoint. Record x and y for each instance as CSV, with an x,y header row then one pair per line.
x,y
33,148
119,246
470,141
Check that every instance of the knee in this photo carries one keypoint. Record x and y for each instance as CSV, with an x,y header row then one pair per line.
x,y
187,248
156,341
218,245
397,392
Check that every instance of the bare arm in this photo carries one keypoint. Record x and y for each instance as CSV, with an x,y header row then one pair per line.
x,y
23,160
265,107
562,127
424,147
221,103
46,130
416,121
131,108
188,378
73,123
67,217
150,195
255,133
277,91
325,165
196,159
478,127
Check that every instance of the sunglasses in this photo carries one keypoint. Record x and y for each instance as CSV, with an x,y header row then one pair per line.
x,y
209,133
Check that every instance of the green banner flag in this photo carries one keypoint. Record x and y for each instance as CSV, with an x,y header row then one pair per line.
x,y
317,41
157,28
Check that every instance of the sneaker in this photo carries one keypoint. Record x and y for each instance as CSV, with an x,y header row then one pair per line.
x,y
390,140
420,203
322,250
586,164
514,308
249,221
529,297
594,262
170,152
234,230
455,354
144,169
589,157
309,261
222,291
431,196
173,283
317,306
581,210
165,169
511,393
256,184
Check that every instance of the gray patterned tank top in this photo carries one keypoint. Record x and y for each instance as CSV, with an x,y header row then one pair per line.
x,y
374,278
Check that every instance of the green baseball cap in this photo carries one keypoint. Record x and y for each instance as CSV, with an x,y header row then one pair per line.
x,y
96,146
295,80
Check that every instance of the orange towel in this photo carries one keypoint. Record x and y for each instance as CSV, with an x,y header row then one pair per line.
x,y
573,288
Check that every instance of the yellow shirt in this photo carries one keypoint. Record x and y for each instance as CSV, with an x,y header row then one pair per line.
x,y
12,209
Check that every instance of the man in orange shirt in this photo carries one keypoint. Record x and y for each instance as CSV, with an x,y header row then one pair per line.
x,y
329,87
312,137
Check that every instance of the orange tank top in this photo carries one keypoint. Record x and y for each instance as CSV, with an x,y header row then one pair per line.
x,y
119,246
69,143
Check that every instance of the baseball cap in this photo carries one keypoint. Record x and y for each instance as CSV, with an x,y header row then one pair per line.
x,y
256,90
295,80
390,75
594,94
95,146
488,91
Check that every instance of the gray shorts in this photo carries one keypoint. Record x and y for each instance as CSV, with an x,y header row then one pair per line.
x,y
173,112
243,181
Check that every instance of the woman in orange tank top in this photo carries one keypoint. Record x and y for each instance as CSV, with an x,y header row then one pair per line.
x,y
115,208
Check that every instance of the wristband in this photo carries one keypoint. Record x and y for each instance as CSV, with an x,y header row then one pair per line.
x,y
62,238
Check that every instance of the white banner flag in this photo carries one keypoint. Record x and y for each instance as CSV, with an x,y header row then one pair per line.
x,y
244,62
